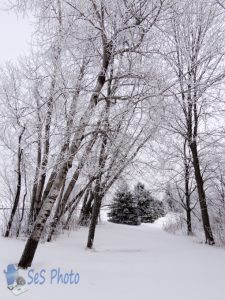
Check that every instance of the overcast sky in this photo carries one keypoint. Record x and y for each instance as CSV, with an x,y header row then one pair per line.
x,y
15,33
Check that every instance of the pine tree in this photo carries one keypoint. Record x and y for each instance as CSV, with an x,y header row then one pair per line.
x,y
124,209
149,208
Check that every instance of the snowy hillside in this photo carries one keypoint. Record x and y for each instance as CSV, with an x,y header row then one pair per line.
x,y
128,263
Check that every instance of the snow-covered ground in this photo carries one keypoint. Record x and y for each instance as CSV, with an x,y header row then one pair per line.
x,y
129,263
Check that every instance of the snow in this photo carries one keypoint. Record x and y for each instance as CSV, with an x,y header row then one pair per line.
x,y
129,262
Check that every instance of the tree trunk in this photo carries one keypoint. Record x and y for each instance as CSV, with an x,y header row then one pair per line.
x,y
201,193
98,187
73,204
57,214
33,240
72,209
17,197
76,174
23,207
38,165
94,217
85,213
189,226
45,158
187,189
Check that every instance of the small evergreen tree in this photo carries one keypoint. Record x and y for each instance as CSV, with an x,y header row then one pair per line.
x,y
149,208
124,209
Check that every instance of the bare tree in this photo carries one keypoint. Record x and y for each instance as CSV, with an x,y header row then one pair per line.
x,y
195,63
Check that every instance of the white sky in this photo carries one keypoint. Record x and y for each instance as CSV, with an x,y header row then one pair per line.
x,y
15,35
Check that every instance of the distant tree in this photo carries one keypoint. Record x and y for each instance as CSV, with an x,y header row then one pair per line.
x,y
143,198
149,208
124,209
157,209
169,200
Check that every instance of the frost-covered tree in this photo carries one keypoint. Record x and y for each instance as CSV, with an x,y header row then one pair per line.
x,y
171,204
193,52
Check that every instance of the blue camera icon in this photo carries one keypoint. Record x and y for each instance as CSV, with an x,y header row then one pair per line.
x,y
11,274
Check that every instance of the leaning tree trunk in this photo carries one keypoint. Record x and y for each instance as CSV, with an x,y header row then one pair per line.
x,y
23,206
98,186
61,207
18,190
40,176
65,196
37,170
70,208
57,213
94,217
201,193
85,213
45,158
